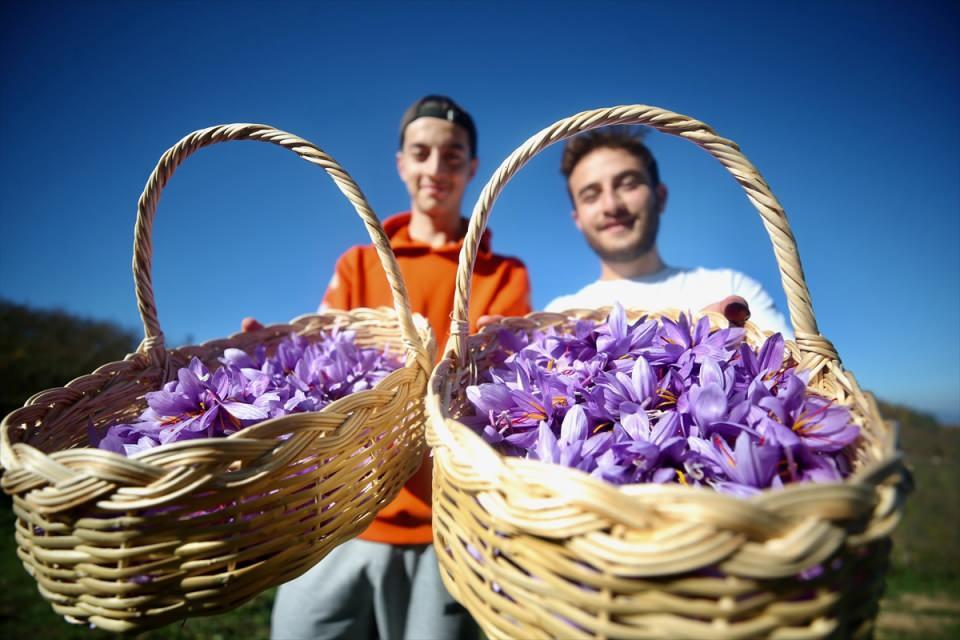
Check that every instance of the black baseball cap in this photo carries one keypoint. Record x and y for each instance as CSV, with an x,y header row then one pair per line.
x,y
442,107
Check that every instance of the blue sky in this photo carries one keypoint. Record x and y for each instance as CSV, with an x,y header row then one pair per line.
x,y
850,111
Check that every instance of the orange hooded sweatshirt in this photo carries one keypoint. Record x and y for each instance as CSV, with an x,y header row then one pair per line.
x,y
500,286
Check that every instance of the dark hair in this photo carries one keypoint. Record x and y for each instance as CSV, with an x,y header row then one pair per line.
x,y
630,140
434,106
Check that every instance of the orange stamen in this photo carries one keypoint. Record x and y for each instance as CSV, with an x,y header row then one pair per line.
x,y
601,426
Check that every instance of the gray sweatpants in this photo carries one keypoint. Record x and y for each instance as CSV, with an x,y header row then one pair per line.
x,y
367,590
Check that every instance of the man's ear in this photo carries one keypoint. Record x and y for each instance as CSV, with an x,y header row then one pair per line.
x,y
662,193
400,164
474,163
576,220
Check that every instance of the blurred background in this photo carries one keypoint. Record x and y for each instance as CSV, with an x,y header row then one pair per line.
x,y
849,110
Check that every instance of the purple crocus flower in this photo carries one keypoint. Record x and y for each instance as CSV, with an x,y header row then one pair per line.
x,y
240,359
707,404
289,352
660,402
617,337
249,388
611,468
566,450
517,409
639,388
743,470
200,405
684,346
765,363
637,455
712,404
793,416
125,440
664,432
820,467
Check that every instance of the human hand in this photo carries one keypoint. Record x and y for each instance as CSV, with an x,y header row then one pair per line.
x,y
485,320
250,324
734,308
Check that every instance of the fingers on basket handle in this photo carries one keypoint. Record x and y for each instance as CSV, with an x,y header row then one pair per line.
x,y
815,347
147,208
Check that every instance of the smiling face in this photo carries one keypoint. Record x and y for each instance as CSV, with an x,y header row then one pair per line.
x,y
435,164
615,206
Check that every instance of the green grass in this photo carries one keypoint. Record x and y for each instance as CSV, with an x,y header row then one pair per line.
x,y
923,586
918,606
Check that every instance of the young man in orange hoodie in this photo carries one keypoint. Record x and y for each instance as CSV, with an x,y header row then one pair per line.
x,y
386,583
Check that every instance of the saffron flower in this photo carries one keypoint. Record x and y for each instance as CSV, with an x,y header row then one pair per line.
x,y
249,388
660,401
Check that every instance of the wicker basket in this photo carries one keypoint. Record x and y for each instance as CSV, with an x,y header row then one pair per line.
x,y
201,526
535,550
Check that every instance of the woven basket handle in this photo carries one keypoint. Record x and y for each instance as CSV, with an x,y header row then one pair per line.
x,y
147,207
814,347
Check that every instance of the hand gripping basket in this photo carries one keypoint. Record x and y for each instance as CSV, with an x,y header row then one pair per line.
x,y
535,550
201,526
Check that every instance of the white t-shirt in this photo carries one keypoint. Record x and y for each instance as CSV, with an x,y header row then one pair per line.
x,y
678,288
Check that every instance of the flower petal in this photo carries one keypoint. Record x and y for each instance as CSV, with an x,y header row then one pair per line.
x,y
244,411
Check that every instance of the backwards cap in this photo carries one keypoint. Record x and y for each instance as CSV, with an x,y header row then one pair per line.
x,y
444,108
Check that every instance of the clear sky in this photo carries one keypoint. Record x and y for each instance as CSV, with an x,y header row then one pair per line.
x,y
849,109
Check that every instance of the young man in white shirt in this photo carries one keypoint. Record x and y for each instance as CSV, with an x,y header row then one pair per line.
x,y
614,184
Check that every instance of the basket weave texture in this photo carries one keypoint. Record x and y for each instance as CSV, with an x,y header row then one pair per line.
x,y
535,550
201,526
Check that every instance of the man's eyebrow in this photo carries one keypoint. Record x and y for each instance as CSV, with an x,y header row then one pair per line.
x,y
593,186
455,146
632,172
